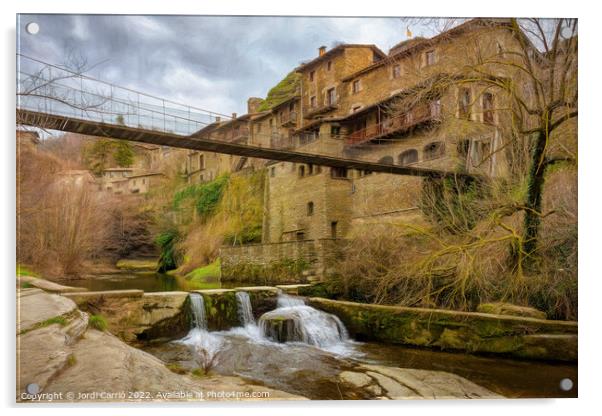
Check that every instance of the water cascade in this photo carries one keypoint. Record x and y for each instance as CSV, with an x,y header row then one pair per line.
x,y
202,343
245,310
197,308
294,321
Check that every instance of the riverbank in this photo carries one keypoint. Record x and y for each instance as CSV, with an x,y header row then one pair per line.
x,y
151,320
61,355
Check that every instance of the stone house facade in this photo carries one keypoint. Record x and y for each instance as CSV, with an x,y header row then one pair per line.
x,y
357,102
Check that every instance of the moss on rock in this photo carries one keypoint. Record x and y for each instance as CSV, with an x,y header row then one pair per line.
x,y
466,331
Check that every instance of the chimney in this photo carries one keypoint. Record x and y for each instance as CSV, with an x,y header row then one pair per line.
x,y
233,116
218,119
321,50
253,104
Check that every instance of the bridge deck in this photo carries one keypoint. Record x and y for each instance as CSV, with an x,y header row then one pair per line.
x,y
116,131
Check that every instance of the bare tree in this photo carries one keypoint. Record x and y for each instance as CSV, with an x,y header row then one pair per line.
x,y
536,79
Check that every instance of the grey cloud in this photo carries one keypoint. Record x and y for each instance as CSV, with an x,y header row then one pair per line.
x,y
207,61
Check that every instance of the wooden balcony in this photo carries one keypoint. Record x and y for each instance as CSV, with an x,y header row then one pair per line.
x,y
316,111
400,123
289,119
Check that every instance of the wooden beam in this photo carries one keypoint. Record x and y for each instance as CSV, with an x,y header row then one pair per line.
x,y
115,131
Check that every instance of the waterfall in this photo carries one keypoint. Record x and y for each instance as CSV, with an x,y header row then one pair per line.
x,y
287,301
204,344
197,307
295,321
245,310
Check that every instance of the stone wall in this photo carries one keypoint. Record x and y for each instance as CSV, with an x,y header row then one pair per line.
x,y
284,262
464,331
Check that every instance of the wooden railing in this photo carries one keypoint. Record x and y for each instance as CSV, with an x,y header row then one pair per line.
x,y
397,123
288,119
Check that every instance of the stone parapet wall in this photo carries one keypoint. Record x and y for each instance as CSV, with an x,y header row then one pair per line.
x,y
284,262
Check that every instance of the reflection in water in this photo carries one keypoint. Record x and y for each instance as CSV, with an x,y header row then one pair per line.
x,y
147,281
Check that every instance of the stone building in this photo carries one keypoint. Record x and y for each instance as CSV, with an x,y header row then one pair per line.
x,y
357,102
124,181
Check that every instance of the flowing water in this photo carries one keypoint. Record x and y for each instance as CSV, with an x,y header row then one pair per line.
x,y
197,309
293,321
204,344
245,311
319,349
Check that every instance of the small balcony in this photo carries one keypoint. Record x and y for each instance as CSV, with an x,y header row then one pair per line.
x,y
289,119
316,111
422,114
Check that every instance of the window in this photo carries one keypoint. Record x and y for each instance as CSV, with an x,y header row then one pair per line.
x,y
430,58
408,157
331,97
356,86
301,171
488,108
271,122
143,181
480,153
333,229
291,107
462,147
434,150
310,169
313,102
258,127
464,100
329,65
300,235
338,172
335,131
273,172
310,209
201,161
318,170
386,160
312,75
396,71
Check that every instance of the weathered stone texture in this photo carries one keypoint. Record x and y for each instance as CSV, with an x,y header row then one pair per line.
x,y
467,331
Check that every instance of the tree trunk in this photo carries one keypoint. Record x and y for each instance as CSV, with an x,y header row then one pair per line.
x,y
532,218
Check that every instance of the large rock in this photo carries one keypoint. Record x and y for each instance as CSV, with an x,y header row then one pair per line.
x,y
138,265
38,308
501,308
133,315
47,285
381,382
65,358
466,331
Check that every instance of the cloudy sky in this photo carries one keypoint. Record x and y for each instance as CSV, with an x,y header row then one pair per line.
x,y
214,63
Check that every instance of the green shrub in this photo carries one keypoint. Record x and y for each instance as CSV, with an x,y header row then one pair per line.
x,y
205,196
284,90
168,259
98,322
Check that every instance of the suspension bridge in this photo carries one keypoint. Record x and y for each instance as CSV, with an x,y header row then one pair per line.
x,y
56,98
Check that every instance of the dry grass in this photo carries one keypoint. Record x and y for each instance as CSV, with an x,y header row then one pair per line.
x,y
469,254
